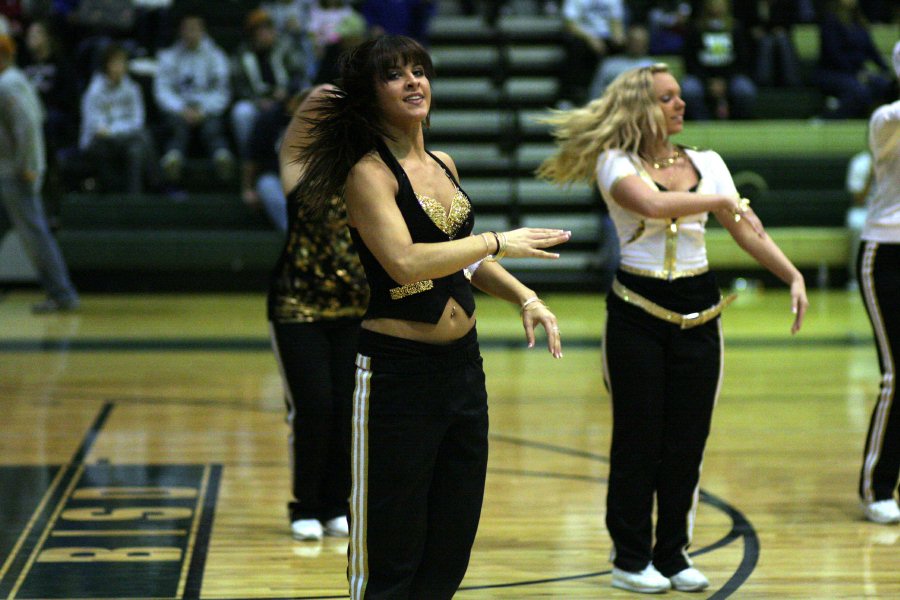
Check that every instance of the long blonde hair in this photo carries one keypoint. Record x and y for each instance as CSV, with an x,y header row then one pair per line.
x,y
624,117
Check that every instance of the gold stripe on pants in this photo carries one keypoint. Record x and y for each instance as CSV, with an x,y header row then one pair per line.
x,y
359,462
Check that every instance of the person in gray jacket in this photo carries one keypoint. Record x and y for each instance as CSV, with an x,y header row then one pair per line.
x,y
22,166
192,90
113,133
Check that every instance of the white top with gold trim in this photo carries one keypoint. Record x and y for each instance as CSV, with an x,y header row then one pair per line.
x,y
662,248
883,218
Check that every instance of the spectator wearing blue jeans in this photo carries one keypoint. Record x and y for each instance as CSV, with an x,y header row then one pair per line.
x,y
22,166
261,181
845,48
114,136
264,75
192,89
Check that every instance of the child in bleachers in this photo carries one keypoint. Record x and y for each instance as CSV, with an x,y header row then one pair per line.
x,y
113,129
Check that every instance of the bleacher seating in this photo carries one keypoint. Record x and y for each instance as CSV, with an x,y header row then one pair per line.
x,y
492,87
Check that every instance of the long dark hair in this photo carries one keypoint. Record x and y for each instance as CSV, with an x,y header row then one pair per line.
x,y
348,123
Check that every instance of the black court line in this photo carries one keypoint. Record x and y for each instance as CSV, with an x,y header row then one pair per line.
x,y
260,344
43,519
201,543
741,528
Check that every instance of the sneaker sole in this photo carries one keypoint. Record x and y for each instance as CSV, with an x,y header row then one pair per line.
x,y
333,533
625,586
881,521
692,588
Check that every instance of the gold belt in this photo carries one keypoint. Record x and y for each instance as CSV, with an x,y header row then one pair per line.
x,y
684,321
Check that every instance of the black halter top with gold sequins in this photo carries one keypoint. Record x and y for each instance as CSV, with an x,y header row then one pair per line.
x,y
427,221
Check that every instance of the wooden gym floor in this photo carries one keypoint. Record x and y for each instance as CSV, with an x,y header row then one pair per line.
x,y
143,454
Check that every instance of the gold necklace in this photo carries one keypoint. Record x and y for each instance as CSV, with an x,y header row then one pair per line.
x,y
663,163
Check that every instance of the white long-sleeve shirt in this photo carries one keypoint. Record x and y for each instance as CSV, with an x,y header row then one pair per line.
x,y
883,217
199,78
119,109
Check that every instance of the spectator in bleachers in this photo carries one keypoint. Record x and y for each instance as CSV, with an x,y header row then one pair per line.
x,y
716,59
113,129
192,90
845,51
770,23
22,164
324,19
49,70
260,179
594,29
667,21
637,44
292,19
264,76
401,17
350,31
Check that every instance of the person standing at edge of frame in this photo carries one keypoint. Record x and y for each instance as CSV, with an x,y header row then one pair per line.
x,y
22,166
878,269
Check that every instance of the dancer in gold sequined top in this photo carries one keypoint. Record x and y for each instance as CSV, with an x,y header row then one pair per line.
x,y
317,297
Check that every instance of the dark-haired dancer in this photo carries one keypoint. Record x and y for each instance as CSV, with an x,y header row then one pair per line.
x,y
420,423
317,297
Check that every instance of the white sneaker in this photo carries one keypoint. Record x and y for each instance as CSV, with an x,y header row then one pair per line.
x,y
306,530
648,581
689,580
883,511
337,527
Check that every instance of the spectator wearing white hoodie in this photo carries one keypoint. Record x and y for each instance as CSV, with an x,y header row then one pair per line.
x,y
192,90
113,133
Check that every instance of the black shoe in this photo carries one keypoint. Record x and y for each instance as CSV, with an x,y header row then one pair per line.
x,y
51,305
